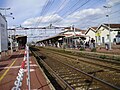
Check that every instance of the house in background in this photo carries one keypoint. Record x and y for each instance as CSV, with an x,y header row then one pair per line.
x,y
71,31
91,33
73,36
104,31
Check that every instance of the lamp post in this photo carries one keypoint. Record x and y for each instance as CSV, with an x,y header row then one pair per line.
x,y
5,12
9,16
107,15
11,40
5,9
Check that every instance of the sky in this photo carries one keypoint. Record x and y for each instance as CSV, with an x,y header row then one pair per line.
x,y
80,13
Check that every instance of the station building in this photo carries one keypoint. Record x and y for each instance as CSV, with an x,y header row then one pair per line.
x,y
3,34
76,38
102,33
69,38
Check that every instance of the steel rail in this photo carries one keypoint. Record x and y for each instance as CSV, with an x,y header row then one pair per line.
x,y
53,73
106,83
80,58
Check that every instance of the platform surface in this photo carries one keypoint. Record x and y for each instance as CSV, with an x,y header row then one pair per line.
x,y
9,67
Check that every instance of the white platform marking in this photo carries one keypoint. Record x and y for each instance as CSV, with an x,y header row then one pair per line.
x,y
31,65
31,70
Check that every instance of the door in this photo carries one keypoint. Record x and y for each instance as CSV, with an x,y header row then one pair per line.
x,y
103,40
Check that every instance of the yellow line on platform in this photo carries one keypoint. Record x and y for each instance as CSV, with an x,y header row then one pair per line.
x,y
7,70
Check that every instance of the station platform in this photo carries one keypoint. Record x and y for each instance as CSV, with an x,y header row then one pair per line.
x,y
10,66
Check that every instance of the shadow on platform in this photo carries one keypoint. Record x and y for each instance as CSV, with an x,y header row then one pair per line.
x,y
11,57
2,66
16,56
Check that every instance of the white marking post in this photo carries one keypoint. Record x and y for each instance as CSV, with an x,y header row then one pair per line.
x,y
28,67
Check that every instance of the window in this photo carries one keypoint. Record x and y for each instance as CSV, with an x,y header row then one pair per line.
x,y
99,38
107,36
96,38
2,25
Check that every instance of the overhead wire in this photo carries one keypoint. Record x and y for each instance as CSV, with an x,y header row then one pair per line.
x,y
88,7
69,12
95,19
43,10
74,10
41,13
114,12
52,2
96,23
41,19
70,7
57,10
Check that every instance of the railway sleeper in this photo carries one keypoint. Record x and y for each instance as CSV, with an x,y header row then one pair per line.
x,y
75,78
78,84
62,71
81,80
86,86
115,82
68,75
89,86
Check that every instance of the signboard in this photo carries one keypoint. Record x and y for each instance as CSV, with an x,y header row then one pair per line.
x,y
3,34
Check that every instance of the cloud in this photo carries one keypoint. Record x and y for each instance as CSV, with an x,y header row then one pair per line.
x,y
24,9
27,12
84,14
42,20
113,2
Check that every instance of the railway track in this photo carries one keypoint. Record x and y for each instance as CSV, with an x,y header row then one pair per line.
x,y
93,55
79,73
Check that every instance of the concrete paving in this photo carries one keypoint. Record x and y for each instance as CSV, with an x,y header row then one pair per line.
x,y
9,68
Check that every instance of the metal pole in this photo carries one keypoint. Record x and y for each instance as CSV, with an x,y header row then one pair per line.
x,y
107,7
0,55
74,36
110,47
5,9
28,67
11,44
71,27
74,30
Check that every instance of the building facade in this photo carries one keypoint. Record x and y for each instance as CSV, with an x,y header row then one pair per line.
x,y
3,34
91,33
105,31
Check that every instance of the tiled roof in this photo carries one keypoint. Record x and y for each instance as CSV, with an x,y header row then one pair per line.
x,y
113,25
18,36
69,28
83,31
94,28
76,29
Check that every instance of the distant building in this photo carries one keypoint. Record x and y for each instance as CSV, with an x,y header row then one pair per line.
x,y
102,33
70,36
70,31
3,34
91,33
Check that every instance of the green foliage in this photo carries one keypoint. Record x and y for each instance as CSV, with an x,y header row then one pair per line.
x,y
82,49
93,50
118,59
102,56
